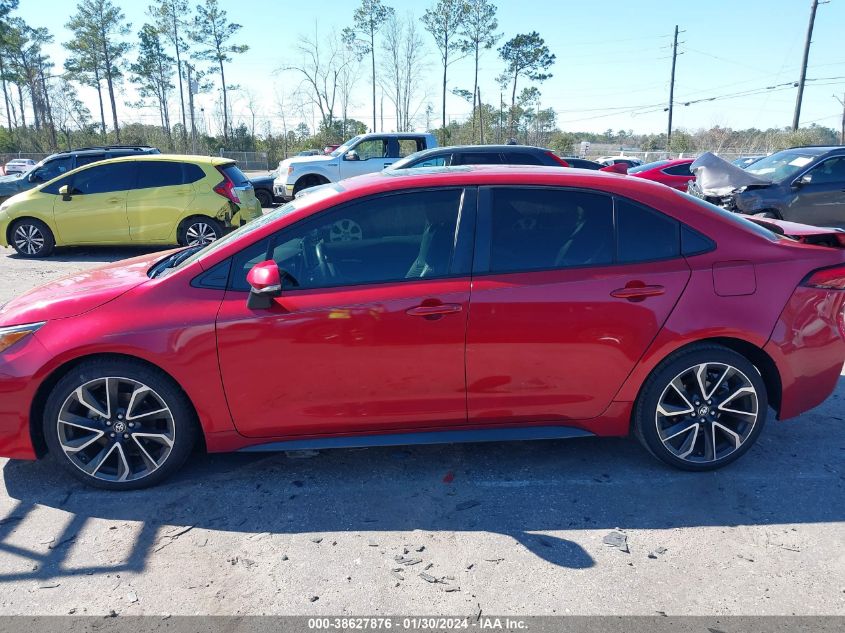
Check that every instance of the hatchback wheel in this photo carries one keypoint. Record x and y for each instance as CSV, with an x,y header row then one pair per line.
x,y
702,408
200,231
31,238
119,424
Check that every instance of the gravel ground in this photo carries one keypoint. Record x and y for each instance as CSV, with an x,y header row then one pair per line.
x,y
517,528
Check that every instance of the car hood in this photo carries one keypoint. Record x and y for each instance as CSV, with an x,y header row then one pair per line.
x,y
10,185
296,160
78,293
717,177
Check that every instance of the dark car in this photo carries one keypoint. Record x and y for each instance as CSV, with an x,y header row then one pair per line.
x,y
800,184
582,163
61,162
481,155
263,186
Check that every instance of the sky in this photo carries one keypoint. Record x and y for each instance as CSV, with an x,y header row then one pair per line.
x,y
612,68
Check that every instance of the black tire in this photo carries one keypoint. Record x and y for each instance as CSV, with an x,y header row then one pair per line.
x,y
167,437
265,198
306,182
192,230
31,238
683,431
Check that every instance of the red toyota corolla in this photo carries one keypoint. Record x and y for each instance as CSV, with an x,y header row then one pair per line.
x,y
672,173
431,306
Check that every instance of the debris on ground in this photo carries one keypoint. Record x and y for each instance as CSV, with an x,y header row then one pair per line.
x,y
49,585
494,560
657,552
132,596
372,543
284,557
428,577
313,598
405,560
450,588
420,548
316,539
617,540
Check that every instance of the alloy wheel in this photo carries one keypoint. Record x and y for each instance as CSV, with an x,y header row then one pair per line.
x,y
28,239
345,230
200,234
116,429
707,412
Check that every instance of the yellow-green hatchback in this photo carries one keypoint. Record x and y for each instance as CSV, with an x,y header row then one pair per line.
x,y
145,199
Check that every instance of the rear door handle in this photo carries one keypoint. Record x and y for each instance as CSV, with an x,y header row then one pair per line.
x,y
434,310
637,292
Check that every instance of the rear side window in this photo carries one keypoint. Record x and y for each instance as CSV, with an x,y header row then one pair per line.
x,y
104,178
436,161
644,234
536,229
408,146
87,159
167,174
678,170
235,175
479,158
522,158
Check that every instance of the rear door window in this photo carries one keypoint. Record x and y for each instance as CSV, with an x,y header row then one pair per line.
x,y
540,229
87,159
645,234
159,174
408,146
677,170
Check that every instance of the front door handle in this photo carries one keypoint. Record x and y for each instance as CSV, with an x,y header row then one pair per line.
x,y
637,292
434,310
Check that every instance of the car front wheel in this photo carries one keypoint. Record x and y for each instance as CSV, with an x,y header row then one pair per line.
x,y
31,238
119,425
701,408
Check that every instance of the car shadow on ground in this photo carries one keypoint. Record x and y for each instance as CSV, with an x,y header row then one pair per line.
x,y
521,489
104,254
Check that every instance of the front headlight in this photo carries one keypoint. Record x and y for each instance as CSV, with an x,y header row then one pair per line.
x,y
11,335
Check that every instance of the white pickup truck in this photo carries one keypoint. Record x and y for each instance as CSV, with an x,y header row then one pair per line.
x,y
362,154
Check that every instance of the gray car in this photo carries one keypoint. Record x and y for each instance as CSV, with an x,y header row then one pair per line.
x,y
800,184
57,164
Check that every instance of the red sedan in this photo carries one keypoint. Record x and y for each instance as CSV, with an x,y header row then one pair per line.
x,y
423,306
672,173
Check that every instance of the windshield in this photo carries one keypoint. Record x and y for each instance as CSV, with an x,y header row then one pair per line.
x,y
780,166
314,195
345,147
647,166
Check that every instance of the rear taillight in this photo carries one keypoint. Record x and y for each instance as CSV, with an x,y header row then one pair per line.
x,y
227,190
557,159
832,278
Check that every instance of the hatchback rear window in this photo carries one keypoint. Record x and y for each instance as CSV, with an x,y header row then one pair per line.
x,y
235,175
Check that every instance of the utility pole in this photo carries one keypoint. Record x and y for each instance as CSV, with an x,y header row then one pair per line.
x,y
191,92
672,91
797,115
480,119
842,129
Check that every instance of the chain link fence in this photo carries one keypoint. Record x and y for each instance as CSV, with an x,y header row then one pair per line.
x,y
248,161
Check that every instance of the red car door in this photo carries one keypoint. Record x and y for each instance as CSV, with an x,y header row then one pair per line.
x,y
677,176
371,337
560,313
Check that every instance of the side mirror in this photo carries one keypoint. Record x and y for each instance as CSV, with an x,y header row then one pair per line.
x,y
64,191
351,155
806,179
265,282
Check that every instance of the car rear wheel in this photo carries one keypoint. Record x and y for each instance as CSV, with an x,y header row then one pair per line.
x,y
265,198
119,425
199,231
31,238
702,408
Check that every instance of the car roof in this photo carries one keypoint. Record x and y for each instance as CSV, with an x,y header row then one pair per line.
x,y
185,158
816,150
482,149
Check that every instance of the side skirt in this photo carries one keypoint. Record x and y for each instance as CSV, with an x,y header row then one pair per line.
x,y
428,437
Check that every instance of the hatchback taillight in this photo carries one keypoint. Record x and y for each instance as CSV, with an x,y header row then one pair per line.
x,y
227,190
557,159
832,278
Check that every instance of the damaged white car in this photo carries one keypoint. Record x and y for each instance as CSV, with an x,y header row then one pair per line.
x,y
802,184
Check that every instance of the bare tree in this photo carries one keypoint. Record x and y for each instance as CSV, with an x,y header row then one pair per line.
x,y
403,67
320,66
